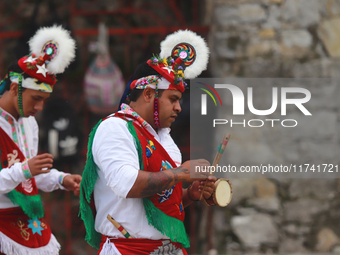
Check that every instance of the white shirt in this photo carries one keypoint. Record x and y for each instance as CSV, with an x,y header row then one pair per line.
x,y
116,156
13,176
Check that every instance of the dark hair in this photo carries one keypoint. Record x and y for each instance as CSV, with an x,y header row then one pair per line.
x,y
135,94
13,67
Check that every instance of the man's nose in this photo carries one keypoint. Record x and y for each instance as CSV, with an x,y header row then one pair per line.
x,y
178,107
39,106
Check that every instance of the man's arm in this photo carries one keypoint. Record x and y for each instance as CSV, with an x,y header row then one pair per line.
x,y
115,155
11,177
148,184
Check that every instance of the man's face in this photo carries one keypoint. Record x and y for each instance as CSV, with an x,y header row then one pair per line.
x,y
33,101
169,107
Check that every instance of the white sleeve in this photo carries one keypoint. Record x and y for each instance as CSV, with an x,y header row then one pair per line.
x,y
115,154
11,177
50,181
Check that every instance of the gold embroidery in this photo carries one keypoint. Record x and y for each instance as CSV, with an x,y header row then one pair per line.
x,y
23,230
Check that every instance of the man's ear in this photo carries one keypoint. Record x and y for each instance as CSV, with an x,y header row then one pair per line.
x,y
148,94
13,89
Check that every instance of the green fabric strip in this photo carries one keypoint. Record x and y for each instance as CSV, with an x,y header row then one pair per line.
x,y
31,205
167,225
139,149
89,179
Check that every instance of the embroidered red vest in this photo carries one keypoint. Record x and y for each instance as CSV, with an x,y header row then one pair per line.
x,y
156,159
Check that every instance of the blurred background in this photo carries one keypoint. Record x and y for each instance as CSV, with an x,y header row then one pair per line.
x,y
247,38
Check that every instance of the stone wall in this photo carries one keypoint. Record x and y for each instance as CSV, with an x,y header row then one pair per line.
x,y
280,39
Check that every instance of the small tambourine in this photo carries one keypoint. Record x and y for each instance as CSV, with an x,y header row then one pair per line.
x,y
223,191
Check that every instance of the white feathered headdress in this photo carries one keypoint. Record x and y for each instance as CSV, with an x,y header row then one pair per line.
x,y
60,41
52,50
190,47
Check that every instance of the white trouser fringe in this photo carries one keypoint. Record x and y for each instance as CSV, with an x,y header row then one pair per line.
x,y
109,248
10,247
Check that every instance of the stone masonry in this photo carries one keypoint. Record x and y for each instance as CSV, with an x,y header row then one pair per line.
x,y
280,39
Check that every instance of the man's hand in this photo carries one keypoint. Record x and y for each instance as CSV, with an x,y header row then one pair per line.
x,y
72,182
196,169
39,162
197,186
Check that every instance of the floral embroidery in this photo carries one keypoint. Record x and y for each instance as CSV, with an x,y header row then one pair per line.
x,y
24,138
35,225
26,170
10,120
148,81
128,110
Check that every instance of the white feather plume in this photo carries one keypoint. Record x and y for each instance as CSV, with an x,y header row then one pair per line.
x,y
200,46
66,47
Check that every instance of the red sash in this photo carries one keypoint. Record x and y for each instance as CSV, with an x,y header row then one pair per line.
x,y
143,246
27,232
156,159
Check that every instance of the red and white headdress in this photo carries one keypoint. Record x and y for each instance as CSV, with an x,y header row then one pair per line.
x,y
52,50
184,55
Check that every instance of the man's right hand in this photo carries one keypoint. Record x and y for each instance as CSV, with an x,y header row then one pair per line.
x,y
197,169
39,162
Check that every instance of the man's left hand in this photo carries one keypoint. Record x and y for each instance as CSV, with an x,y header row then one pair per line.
x,y
72,182
197,187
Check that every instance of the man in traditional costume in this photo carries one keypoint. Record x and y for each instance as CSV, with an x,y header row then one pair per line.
x,y
134,173
23,230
